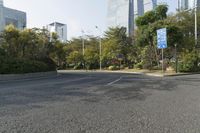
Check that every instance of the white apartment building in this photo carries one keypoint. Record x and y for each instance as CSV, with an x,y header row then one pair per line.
x,y
60,29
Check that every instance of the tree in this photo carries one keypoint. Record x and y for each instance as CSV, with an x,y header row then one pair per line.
x,y
10,38
23,51
75,58
146,35
116,43
91,58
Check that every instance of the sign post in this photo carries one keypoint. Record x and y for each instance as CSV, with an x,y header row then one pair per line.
x,y
162,42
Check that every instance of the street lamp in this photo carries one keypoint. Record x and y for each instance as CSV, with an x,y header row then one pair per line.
x,y
83,47
196,29
100,48
176,59
83,42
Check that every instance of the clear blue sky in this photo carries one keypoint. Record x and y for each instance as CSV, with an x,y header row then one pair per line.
x,y
77,14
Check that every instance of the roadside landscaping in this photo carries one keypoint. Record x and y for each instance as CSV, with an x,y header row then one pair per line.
x,y
26,51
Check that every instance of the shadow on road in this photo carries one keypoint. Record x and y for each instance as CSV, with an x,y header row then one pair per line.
x,y
93,89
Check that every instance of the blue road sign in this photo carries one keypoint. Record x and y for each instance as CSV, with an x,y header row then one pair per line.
x,y
162,38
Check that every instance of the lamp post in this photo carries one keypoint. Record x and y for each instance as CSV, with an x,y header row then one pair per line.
x,y
100,49
83,47
196,28
176,59
83,42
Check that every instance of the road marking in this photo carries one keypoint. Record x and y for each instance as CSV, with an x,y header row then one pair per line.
x,y
111,83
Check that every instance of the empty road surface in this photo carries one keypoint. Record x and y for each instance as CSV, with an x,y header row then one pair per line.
x,y
101,103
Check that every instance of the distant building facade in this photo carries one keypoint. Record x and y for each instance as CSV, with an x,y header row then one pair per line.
x,y
11,16
188,4
60,29
183,4
118,13
124,12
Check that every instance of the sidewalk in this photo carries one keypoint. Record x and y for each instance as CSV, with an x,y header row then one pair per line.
x,y
156,73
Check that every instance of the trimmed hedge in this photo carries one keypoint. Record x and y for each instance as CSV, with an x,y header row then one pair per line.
x,y
20,66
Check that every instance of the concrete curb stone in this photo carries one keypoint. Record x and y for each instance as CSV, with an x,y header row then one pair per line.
x,y
141,73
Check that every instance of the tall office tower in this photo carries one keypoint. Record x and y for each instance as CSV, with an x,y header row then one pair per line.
x,y
124,12
198,3
188,4
183,4
139,8
193,3
131,18
149,5
1,16
118,13
11,16
60,29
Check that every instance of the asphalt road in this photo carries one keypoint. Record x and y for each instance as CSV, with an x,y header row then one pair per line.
x,y
101,103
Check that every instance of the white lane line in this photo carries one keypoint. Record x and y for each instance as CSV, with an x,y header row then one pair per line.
x,y
117,80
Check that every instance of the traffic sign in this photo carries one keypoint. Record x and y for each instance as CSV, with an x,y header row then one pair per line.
x,y
162,38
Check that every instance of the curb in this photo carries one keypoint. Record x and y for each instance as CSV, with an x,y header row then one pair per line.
x,y
181,74
8,77
141,73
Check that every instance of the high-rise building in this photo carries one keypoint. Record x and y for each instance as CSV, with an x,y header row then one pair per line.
x,y
60,29
188,4
124,12
118,13
183,4
149,4
11,16
194,3
131,17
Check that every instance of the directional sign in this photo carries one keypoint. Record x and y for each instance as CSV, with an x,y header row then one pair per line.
x,y
120,57
162,38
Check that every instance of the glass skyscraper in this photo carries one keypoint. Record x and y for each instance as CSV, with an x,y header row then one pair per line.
x,y
118,13
124,12
183,4
187,4
11,16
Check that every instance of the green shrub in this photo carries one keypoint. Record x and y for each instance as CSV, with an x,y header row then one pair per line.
x,y
20,66
122,67
138,65
157,68
78,66
189,62
113,68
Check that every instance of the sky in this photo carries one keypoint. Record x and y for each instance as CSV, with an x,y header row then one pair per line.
x,y
77,14
173,4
